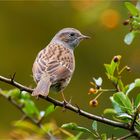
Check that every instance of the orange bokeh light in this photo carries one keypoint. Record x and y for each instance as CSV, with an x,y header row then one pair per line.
x,y
82,5
110,18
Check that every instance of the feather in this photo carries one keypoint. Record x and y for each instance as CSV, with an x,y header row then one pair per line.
x,y
53,67
43,87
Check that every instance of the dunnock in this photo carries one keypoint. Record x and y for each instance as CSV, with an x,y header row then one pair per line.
x,y
55,64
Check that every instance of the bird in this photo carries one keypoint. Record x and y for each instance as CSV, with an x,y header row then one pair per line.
x,y
55,64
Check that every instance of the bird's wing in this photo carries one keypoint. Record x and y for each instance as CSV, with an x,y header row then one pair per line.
x,y
43,86
52,65
55,73
40,63
53,60
58,71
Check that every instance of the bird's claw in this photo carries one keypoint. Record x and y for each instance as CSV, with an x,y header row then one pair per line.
x,y
65,103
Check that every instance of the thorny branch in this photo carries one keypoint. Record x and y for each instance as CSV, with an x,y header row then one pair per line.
x,y
77,110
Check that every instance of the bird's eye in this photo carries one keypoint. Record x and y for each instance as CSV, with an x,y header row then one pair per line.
x,y
72,34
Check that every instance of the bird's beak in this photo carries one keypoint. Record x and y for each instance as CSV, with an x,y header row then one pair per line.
x,y
84,37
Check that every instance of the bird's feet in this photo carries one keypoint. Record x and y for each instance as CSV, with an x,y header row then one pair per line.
x,y
65,103
37,97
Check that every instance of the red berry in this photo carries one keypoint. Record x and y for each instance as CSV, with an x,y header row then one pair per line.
x,y
126,22
93,103
92,91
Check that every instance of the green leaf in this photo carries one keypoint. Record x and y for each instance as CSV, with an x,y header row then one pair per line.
x,y
110,111
132,9
25,95
110,68
30,109
94,125
116,106
103,136
27,126
120,83
114,64
107,67
124,116
137,83
123,101
77,137
137,101
49,110
74,126
14,93
133,85
48,127
128,39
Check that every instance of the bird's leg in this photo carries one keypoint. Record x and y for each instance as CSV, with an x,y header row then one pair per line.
x,y
37,97
63,97
65,101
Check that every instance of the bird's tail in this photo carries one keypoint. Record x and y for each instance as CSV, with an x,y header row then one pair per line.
x,y
43,87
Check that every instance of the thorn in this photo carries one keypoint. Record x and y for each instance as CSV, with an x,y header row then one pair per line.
x,y
55,106
23,117
78,109
37,97
70,100
13,77
64,106
21,91
102,116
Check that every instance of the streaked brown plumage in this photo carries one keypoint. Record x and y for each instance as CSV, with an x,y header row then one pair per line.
x,y
55,64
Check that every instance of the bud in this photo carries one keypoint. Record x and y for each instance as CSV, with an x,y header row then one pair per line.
x,y
126,22
92,91
116,58
128,68
93,103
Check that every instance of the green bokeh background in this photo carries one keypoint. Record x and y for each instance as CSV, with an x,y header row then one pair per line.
x,y
27,26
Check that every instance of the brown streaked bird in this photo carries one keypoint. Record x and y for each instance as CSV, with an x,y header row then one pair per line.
x,y
55,64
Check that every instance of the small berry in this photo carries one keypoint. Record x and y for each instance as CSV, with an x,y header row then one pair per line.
x,y
92,91
126,22
116,58
128,68
93,103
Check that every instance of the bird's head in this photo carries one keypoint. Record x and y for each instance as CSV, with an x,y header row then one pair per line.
x,y
70,36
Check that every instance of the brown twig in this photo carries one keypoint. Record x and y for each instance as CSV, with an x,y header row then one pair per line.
x,y
134,120
72,108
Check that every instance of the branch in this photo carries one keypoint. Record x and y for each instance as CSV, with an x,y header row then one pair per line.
x,y
134,120
70,107
126,136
